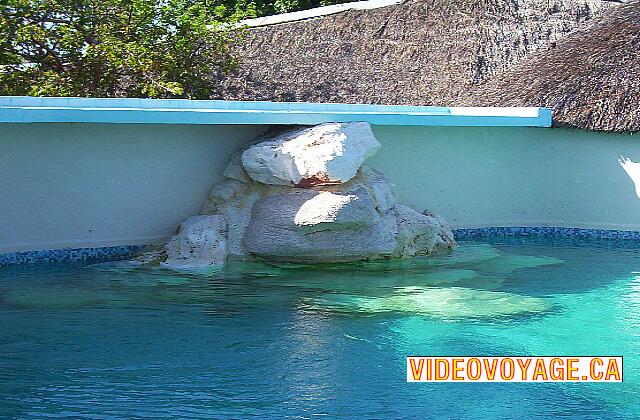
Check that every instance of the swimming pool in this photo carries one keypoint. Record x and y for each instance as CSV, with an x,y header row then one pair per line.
x,y
116,341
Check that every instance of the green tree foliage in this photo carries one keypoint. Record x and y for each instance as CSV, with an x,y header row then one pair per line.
x,y
274,7
110,48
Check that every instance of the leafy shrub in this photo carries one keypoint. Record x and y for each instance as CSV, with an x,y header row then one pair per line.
x,y
267,7
111,48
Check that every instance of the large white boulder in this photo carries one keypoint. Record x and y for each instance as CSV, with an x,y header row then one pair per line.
x,y
234,198
326,210
381,190
417,233
324,154
316,226
200,242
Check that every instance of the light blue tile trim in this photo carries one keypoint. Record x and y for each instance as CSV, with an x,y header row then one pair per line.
x,y
69,254
20,109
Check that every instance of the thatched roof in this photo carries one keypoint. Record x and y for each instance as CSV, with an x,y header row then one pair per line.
x,y
591,77
421,52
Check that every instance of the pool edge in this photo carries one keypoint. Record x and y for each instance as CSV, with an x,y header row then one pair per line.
x,y
111,253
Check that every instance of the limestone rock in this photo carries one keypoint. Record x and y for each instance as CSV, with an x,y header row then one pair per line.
x,y
234,169
381,190
445,242
325,210
303,196
321,155
417,233
200,242
282,216
234,200
312,226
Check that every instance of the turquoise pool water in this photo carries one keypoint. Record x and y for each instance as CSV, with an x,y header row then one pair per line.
x,y
276,341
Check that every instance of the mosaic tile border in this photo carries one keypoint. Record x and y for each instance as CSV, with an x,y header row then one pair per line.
x,y
546,231
70,254
126,251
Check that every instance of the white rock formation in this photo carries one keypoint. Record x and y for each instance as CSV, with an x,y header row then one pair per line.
x,y
304,196
312,226
417,233
200,242
324,210
234,200
325,154
444,241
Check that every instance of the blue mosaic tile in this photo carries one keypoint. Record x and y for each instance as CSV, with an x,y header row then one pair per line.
x,y
461,234
70,254
126,251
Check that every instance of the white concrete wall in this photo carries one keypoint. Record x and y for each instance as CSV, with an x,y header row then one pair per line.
x,y
478,177
76,185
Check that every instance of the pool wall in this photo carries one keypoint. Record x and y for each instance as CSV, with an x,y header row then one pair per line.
x,y
91,185
94,185
513,176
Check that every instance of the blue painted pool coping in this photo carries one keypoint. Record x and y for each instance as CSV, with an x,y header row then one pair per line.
x,y
127,251
23,109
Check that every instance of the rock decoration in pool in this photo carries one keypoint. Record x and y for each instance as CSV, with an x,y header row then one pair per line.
x,y
322,155
201,241
304,196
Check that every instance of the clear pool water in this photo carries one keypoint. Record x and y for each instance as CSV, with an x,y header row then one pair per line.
x,y
287,341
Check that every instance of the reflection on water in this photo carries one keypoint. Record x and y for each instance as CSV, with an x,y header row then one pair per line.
x,y
451,302
121,340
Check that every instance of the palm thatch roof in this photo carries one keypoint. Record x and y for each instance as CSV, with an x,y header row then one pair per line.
x,y
420,52
591,78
